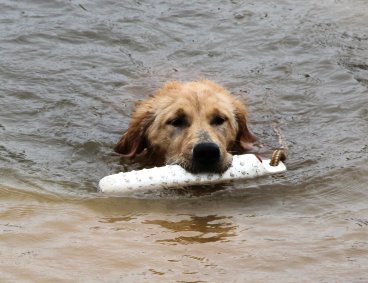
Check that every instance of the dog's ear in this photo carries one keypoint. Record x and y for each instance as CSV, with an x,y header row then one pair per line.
x,y
245,140
134,140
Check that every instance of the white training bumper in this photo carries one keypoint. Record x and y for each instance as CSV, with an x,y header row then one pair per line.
x,y
174,176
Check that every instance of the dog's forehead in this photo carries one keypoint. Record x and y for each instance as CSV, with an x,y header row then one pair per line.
x,y
200,96
194,99
198,106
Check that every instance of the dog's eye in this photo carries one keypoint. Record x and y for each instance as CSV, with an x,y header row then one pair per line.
x,y
178,122
218,120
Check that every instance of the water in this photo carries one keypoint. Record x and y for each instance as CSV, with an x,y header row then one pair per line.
x,y
70,73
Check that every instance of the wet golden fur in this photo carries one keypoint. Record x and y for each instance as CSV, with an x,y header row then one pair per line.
x,y
167,126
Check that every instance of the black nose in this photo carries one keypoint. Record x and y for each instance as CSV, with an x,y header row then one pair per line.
x,y
206,155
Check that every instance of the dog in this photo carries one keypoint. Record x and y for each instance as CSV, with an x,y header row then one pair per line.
x,y
197,125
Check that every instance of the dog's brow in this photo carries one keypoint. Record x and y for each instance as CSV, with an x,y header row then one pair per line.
x,y
217,112
180,112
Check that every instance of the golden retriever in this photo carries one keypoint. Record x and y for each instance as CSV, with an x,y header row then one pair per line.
x,y
198,125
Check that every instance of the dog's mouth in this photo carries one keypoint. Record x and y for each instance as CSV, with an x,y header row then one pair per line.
x,y
213,168
211,161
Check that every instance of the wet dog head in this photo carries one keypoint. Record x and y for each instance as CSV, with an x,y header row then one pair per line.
x,y
195,124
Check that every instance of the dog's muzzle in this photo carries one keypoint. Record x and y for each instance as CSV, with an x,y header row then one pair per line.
x,y
206,157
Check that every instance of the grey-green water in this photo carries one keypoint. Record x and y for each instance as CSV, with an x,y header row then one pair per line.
x,y
70,73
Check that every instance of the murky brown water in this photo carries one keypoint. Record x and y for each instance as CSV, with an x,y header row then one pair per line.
x,y
70,72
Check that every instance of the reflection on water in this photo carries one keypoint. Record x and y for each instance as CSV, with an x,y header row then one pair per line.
x,y
197,229
117,219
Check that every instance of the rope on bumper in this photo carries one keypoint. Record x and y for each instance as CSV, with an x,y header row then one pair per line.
x,y
280,153
277,156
